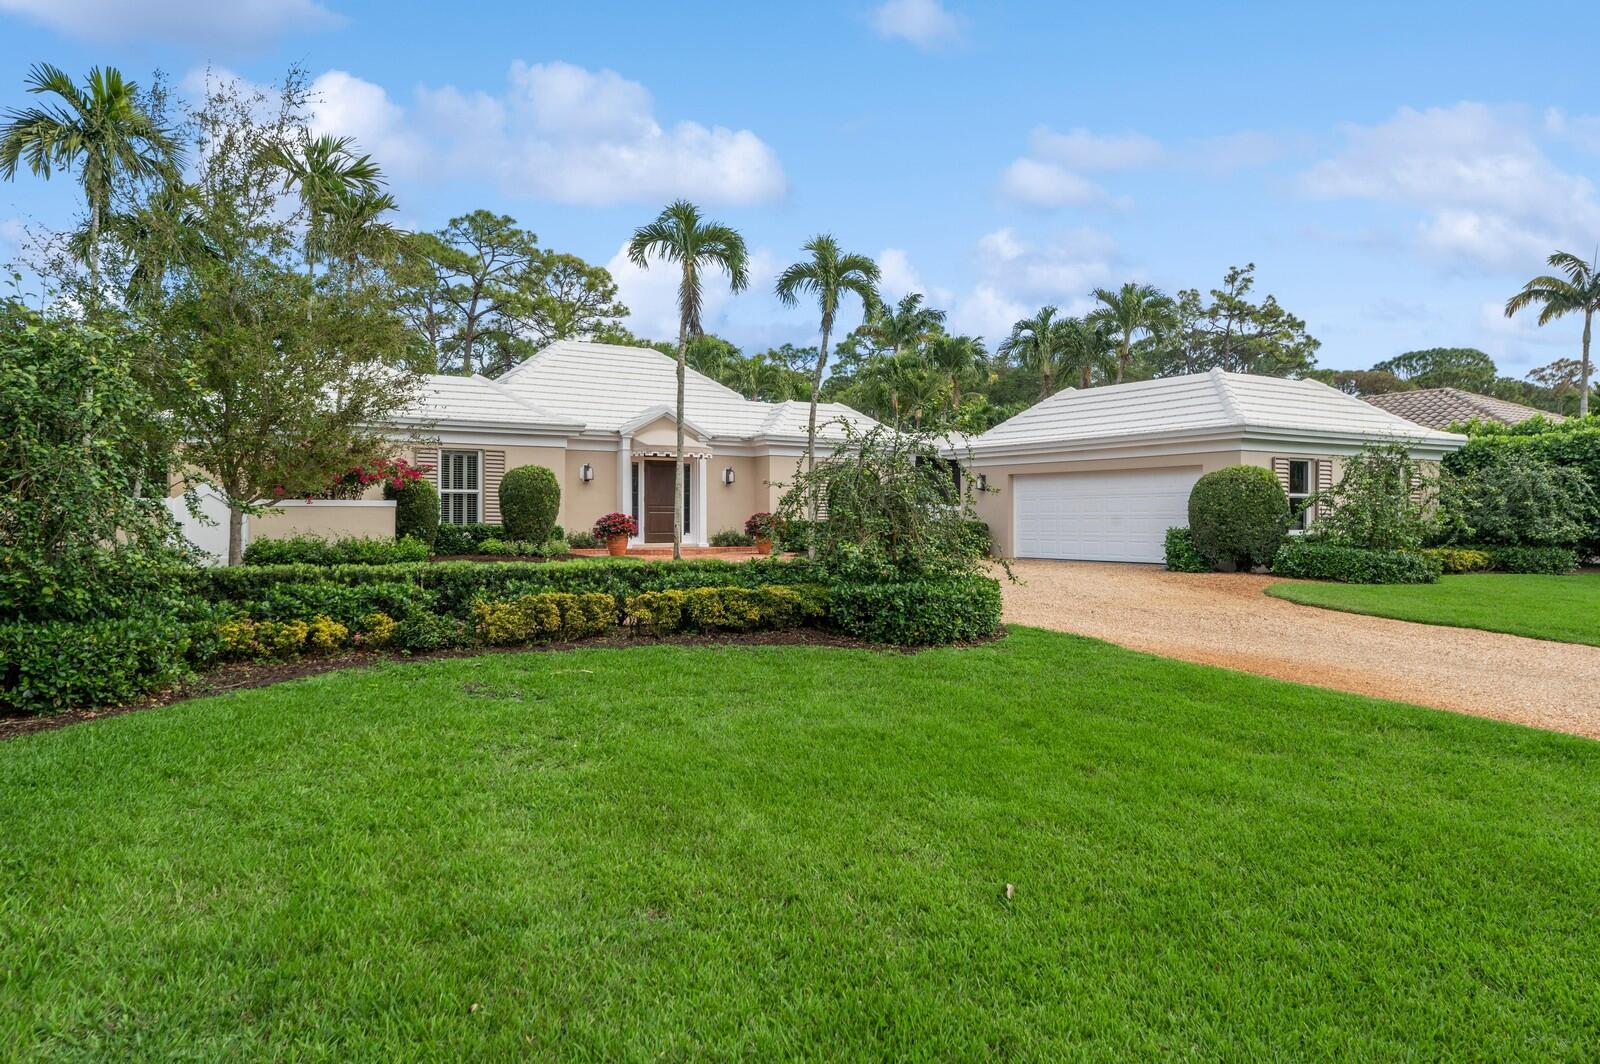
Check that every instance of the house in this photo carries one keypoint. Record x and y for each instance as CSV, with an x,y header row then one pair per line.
x,y
1439,408
603,418
1101,474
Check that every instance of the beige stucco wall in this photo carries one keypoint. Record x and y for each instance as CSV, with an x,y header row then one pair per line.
x,y
729,505
581,503
995,504
327,518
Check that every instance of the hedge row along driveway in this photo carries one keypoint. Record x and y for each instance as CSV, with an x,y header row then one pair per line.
x,y
773,852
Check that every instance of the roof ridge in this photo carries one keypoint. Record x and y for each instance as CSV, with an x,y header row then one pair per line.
x,y
1230,405
519,400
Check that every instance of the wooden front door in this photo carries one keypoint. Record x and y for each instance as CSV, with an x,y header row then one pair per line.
x,y
658,485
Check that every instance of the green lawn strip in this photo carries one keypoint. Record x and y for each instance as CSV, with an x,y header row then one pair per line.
x,y
780,851
1562,608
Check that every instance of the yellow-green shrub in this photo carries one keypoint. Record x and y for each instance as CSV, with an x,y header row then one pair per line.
x,y
325,633
1462,559
729,608
243,638
548,615
377,629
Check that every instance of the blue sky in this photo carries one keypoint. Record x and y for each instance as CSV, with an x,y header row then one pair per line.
x,y
1394,171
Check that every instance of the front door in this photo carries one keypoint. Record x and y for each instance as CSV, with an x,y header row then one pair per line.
x,y
658,485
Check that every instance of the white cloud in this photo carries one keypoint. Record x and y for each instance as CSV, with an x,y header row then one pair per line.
x,y
1080,149
1236,151
897,278
11,231
1488,193
559,132
1049,185
1580,130
229,23
928,24
651,295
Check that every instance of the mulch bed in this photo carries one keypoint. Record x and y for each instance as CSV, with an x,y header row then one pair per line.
x,y
245,675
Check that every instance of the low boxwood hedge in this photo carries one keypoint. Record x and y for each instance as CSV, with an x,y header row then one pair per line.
x,y
1554,560
1181,555
705,609
1310,560
1461,559
929,612
350,550
54,665
464,539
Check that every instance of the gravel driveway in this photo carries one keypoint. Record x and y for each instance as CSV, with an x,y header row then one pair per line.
x,y
1226,620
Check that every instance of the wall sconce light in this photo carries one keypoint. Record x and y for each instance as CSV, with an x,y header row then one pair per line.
x,y
586,472
983,482
727,475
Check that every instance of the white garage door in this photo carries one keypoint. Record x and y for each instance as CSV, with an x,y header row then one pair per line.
x,y
1103,517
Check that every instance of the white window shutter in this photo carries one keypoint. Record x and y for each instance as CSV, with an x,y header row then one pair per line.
x,y
1324,484
494,469
1280,468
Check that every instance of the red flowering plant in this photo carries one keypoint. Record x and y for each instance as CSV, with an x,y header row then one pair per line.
x,y
353,483
615,524
762,525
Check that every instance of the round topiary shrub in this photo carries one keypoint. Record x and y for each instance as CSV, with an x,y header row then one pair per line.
x,y
416,510
530,498
1238,516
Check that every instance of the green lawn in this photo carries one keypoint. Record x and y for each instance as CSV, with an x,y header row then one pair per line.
x,y
774,851
1563,608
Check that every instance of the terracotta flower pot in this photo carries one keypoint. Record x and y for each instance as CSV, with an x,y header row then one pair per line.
x,y
617,545
763,545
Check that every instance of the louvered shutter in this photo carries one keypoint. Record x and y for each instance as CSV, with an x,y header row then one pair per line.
x,y
1324,486
494,470
1280,469
429,457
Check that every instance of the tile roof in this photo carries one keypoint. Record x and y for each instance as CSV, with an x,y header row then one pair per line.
x,y
1199,403
1440,408
477,400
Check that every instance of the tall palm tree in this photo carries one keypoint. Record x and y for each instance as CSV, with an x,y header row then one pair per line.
x,y
680,235
1130,310
100,127
331,179
905,326
955,357
828,274
1085,347
1578,292
1037,344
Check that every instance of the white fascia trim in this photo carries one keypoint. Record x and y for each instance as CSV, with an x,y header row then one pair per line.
x,y
474,438
1345,443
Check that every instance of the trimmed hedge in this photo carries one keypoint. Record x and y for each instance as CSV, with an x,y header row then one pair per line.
x,y
552,615
349,550
1181,555
727,608
457,584
1461,559
416,510
918,612
1309,560
464,539
530,498
1574,446
54,665
1237,516
1553,560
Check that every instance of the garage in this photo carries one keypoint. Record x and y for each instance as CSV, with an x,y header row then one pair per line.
x,y
1120,516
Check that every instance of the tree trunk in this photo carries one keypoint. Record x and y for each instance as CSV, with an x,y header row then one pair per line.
x,y
235,535
1583,393
1124,357
811,439
1083,376
677,466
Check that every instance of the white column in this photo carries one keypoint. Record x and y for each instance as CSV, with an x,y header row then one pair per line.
x,y
698,492
625,475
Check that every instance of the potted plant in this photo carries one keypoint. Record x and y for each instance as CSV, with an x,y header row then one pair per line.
x,y
761,526
616,529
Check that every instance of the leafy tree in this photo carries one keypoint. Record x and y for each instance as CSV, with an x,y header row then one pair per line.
x,y
1231,333
903,327
328,175
1131,310
1578,292
272,377
1364,381
1518,498
681,236
569,298
1086,348
1381,502
957,358
479,257
1442,367
102,128
827,275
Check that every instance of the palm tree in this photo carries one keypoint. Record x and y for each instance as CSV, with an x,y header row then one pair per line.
x,y
1579,291
680,235
955,357
828,274
1132,309
1085,347
332,180
101,128
1038,343
905,326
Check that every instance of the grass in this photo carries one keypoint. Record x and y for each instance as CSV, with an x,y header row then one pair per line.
x,y
1562,608
779,851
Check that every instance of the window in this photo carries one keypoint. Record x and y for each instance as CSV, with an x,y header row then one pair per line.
x,y
460,488
1299,493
